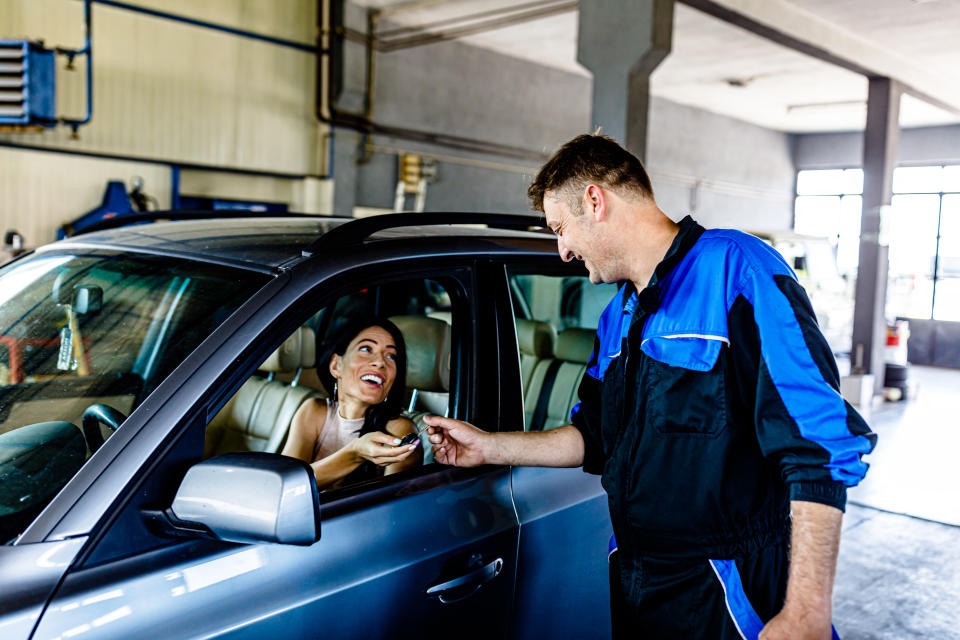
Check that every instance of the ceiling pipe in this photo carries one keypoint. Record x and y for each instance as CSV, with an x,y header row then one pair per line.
x,y
329,54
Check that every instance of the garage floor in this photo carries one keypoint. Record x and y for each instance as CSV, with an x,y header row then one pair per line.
x,y
899,570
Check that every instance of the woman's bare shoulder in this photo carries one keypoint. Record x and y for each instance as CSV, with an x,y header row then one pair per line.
x,y
311,415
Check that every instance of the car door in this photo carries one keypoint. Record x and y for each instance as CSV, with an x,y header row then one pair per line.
x,y
431,552
562,571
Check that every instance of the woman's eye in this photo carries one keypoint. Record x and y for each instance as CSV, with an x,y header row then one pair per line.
x,y
364,348
392,356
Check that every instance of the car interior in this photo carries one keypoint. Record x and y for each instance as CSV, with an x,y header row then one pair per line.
x,y
556,319
258,416
554,351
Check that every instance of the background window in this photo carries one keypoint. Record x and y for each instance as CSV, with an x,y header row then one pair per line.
x,y
922,227
829,182
947,301
912,233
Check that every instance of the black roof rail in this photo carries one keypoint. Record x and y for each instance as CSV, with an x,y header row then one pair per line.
x,y
153,216
356,231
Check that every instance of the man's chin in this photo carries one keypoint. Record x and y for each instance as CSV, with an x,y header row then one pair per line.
x,y
595,278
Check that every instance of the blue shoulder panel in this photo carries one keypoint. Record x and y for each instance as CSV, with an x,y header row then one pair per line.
x,y
690,326
612,328
818,409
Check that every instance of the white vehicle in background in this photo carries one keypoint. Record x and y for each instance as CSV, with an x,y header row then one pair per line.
x,y
814,260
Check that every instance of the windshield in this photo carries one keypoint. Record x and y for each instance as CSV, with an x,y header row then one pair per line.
x,y
94,329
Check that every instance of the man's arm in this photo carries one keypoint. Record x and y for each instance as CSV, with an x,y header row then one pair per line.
x,y
463,445
814,544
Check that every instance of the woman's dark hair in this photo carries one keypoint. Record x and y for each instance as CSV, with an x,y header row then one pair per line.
x,y
377,415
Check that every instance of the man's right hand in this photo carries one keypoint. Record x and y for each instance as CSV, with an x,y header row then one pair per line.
x,y
458,443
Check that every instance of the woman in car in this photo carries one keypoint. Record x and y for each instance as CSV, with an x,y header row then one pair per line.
x,y
355,434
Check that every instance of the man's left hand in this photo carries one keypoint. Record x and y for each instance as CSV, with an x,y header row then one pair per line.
x,y
814,544
788,625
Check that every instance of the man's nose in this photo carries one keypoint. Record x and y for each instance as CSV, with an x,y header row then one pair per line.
x,y
565,253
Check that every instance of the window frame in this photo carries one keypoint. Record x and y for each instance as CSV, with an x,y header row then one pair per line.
x,y
170,461
549,266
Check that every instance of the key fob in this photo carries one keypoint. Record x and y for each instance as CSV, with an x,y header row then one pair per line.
x,y
408,439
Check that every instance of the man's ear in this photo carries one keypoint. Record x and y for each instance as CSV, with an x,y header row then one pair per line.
x,y
595,202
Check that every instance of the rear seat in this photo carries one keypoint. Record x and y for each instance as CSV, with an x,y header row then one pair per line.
x,y
258,416
554,383
428,370
536,340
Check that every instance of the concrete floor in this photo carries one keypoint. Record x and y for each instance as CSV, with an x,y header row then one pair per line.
x,y
899,570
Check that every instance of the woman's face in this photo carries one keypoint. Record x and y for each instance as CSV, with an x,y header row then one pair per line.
x,y
368,367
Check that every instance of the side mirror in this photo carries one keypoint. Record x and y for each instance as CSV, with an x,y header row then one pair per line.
x,y
245,497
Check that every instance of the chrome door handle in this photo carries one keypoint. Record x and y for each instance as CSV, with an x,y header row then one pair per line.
x,y
476,578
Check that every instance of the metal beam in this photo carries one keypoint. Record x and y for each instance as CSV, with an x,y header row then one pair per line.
x,y
804,31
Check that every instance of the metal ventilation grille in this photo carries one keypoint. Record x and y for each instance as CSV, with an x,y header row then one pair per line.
x,y
27,84
13,82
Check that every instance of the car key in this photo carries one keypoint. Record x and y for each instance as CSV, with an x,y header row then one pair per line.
x,y
410,438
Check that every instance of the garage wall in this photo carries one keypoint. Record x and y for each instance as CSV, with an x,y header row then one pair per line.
x,y
169,90
724,171
919,146
37,188
170,93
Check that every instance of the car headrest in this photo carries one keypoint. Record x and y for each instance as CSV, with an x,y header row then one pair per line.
x,y
299,350
428,352
575,345
446,316
536,338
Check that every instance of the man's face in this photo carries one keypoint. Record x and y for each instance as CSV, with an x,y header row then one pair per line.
x,y
577,237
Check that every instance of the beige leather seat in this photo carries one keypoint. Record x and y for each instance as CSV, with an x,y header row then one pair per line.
x,y
556,399
428,370
258,416
536,340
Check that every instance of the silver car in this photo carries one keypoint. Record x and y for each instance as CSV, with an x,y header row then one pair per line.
x,y
148,376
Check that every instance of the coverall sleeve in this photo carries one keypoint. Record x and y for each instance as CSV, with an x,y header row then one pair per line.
x,y
803,423
585,415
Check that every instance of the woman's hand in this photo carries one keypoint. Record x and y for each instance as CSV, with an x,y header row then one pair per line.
x,y
380,448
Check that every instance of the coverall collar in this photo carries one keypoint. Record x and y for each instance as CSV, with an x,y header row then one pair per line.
x,y
687,235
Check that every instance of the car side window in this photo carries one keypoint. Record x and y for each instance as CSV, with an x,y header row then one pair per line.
x,y
295,379
556,319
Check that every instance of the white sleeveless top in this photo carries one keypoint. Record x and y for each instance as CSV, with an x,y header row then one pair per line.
x,y
336,432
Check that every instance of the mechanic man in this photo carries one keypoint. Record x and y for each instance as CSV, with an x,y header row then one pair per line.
x,y
710,407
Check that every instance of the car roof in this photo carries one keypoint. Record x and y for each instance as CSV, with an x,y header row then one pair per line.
x,y
265,242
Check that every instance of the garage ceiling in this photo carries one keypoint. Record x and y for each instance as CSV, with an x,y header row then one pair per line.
x,y
722,68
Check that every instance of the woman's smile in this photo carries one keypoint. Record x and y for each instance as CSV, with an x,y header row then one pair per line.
x,y
368,367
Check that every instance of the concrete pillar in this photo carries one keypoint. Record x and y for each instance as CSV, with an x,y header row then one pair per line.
x,y
621,42
881,142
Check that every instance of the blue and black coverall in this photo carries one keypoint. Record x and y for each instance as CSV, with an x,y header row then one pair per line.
x,y
710,402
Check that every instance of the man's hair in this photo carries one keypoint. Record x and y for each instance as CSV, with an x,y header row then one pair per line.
x,y
589,159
